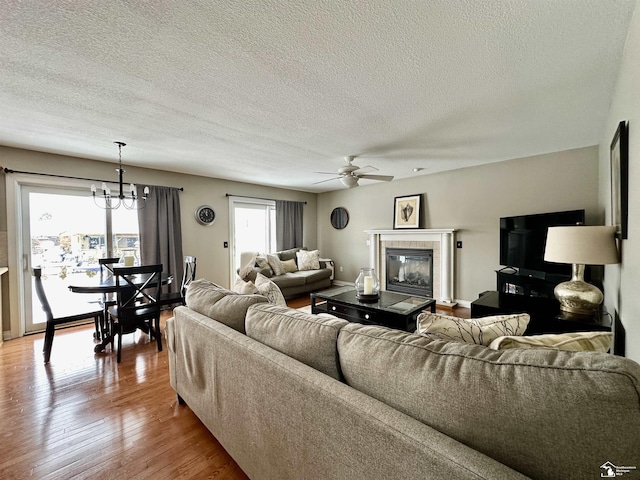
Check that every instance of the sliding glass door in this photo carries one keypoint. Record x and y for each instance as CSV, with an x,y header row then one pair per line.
x,y
253,228
65,234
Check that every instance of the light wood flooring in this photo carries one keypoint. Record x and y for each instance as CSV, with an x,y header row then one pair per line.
x,y
85,416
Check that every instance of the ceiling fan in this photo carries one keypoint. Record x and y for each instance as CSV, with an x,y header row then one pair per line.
x,y
350,174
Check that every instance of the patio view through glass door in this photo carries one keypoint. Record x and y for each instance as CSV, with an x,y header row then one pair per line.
x,y
65,233
253,228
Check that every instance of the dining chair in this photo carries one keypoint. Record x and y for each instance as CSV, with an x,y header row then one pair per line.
x,y
72,313
108,299
137,305
188,275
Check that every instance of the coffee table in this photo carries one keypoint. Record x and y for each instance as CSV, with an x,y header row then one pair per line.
x,y
393,310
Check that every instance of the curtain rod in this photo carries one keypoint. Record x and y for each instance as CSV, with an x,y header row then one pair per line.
x,y
257,198
9,170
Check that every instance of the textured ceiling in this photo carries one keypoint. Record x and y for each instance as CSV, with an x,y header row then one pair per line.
x,y
270,91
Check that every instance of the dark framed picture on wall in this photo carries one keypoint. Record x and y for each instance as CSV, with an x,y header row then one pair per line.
x,y
406,212
619,154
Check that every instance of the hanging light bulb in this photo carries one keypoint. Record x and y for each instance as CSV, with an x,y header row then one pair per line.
x,y
130,202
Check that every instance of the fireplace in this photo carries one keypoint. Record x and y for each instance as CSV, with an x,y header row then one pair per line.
x,y
441,240
410,270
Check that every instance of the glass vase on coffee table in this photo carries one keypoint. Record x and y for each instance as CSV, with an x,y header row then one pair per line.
x,y
367,285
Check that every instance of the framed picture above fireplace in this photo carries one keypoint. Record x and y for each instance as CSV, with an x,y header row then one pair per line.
x,y
406,211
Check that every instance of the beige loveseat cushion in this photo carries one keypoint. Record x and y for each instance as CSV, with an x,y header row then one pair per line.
x,y
574,341
217,302
310,339
516,406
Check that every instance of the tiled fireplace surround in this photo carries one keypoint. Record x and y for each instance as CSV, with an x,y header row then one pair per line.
x,y
441,241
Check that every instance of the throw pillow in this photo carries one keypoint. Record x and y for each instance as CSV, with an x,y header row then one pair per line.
x,y
263,264
270,290
248,272
481,331
289,254
244,288
275,264
289,266
308,260
574,342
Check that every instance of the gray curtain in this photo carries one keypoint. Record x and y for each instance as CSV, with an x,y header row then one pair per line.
x,y
161,233
289,224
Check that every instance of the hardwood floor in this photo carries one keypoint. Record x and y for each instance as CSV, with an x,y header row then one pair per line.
x,y
85,416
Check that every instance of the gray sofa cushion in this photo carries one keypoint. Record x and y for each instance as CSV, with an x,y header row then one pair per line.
x,y
308,338
517,406
289,280
300,278
216,302
311,276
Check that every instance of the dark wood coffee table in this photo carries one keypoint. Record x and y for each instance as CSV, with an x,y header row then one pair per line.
x,y
393,310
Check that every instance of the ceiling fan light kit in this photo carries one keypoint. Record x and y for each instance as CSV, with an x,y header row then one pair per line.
x,y
350,174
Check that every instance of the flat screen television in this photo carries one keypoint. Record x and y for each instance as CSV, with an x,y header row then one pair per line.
x,y
523,239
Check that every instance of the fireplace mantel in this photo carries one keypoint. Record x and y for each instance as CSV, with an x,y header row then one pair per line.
x,y
442,236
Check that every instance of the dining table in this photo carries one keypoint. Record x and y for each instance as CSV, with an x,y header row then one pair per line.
x,y
106,285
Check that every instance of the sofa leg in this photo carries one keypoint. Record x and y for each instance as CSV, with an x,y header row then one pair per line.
x,y
181,400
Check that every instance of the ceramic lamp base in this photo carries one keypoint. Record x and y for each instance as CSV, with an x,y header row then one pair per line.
x,y
577,296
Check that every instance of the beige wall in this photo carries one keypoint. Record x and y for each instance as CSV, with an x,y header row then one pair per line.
x,y
471,200
205,243
622,282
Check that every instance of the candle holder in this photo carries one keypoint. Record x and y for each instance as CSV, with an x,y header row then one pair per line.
x,y
367,285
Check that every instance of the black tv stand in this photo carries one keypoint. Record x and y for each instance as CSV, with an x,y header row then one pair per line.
x,y
545,313
532,274
523,283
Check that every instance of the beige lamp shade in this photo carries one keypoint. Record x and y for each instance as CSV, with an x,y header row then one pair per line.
x,y
580,244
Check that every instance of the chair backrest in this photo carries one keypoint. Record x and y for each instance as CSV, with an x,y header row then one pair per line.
x,y
106,266
138,289
42,296
189,273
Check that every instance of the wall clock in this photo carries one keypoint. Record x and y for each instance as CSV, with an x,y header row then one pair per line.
x,y
205,215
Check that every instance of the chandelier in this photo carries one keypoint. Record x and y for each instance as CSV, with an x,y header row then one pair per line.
x,y
130,201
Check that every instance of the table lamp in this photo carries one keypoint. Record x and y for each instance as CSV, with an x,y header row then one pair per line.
x,y
580,245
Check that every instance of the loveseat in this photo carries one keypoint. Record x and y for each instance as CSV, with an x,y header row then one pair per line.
x,y
292,395
288,270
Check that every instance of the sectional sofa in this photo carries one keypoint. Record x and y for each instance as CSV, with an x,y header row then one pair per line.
x,y
297,396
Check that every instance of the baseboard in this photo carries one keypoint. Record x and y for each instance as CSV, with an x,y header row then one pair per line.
x,y
447,305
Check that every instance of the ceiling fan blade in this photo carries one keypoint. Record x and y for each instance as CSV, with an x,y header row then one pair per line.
x,y
363,170
326,173
382,178
327,180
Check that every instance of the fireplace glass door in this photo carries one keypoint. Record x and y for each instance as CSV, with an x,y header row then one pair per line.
x,y
410,271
